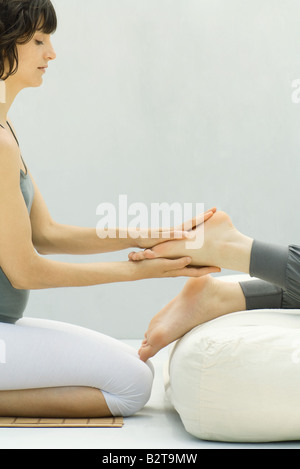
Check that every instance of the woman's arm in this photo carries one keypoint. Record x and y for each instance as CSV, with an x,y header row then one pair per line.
x,y
43,273
50,237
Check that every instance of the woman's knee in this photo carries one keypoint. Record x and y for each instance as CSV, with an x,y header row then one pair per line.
x,y
134,394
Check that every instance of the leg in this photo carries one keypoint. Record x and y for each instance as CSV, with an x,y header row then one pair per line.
x,y
201,300
73,402
225,247
207,298
61,370
204,299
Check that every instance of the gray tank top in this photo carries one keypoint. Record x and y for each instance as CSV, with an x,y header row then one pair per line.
x,y
13,302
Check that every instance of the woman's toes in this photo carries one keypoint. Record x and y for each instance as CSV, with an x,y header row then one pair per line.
x,y
146,352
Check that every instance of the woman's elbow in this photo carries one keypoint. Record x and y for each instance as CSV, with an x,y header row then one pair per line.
x,y
25,276
20,280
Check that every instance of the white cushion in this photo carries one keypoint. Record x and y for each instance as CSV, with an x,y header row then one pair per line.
x,y
237,378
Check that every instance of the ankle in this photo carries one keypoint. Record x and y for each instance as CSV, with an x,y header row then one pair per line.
x,y
234,253
230,297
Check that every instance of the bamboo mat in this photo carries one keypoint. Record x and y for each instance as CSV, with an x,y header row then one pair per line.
x,y
12,422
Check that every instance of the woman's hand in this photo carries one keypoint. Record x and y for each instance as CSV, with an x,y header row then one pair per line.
x,y
166,268
147,239
175,234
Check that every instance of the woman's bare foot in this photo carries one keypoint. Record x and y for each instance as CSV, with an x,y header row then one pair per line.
x,y
223,246
201,300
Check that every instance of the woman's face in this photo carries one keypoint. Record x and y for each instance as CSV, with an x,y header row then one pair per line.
x,y
33,60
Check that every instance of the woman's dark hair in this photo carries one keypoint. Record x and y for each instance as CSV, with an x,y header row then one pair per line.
x,y
19,20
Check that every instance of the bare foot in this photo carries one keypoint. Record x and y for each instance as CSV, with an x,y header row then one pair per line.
x,y
223,246
200,301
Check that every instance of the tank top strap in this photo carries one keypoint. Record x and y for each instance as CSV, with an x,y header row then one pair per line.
x,y
13,133
17,143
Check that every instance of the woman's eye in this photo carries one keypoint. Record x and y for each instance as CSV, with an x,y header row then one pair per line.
x,y
39,43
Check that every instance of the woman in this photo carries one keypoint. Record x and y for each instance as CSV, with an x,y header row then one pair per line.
x,y
277,283
53,369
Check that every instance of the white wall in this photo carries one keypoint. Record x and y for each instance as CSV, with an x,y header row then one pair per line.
x,y
165,101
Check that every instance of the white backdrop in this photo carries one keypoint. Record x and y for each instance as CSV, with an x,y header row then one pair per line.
x,y
164,101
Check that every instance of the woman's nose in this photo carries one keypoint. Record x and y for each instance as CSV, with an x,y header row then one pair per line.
x,y
50,54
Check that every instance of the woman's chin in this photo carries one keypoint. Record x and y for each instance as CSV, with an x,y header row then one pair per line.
x,y
34,84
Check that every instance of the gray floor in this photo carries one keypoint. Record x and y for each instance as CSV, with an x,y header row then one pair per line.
x,y
157,426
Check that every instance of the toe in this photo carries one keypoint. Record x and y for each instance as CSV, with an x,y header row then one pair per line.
x,y
146,352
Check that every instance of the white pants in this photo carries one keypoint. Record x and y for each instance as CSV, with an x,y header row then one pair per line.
x,y
37,353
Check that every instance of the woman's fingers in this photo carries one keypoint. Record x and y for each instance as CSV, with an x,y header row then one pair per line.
x,y
183,231
165,234
181,268
196,221
187,271
166,268
141,256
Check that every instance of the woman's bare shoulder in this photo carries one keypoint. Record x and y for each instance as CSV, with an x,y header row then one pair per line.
x,y
8,150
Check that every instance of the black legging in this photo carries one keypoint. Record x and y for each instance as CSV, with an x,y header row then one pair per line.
x,y
278,269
